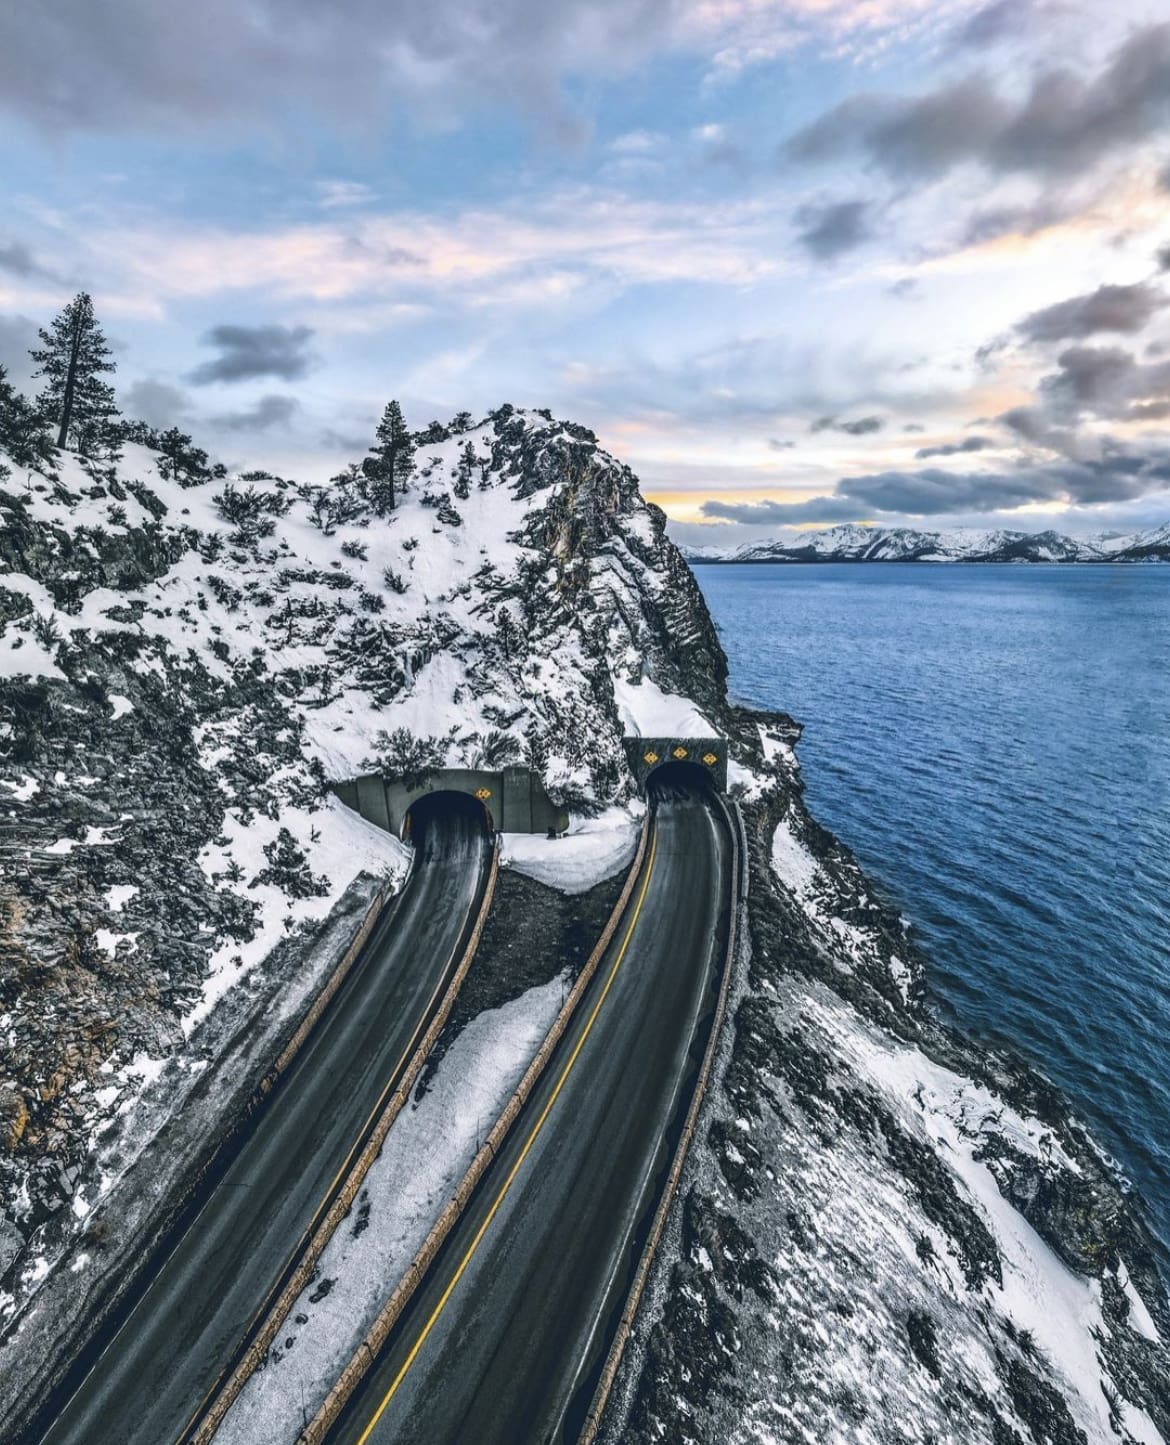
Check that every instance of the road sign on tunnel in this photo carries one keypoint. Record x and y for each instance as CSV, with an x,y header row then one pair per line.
x,y
646,755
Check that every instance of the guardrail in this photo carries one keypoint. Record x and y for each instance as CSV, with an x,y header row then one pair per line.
x,y
223,1394
365,1354
642,1274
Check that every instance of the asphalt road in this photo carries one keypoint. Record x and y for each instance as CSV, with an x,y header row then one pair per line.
x,y
173,1346
503,1342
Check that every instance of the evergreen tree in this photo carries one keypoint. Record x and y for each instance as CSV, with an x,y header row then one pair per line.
x,y
468,461
75,399
22,432
183,461
391,461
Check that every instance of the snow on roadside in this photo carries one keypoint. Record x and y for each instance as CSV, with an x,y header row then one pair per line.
x,y
427,1152
592,850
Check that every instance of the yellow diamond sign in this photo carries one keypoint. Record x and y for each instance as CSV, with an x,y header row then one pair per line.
x,y
483,794
710,759
650,757
680,752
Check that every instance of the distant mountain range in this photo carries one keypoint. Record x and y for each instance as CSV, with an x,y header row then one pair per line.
x,y
851,543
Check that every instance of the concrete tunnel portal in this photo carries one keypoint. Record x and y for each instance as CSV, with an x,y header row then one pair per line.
x,y
513,799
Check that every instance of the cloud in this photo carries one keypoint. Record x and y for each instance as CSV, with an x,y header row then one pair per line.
x,y
269,411
1103,381
1063,123
149,68
1119,475
156,403
775,445
637,143
1109,308
863,426
1163,258
995,23
828,231
339,441
1149,411
932,492
333,195
1029,219
17,334
247,352
954,449
535,249
18,260
782,514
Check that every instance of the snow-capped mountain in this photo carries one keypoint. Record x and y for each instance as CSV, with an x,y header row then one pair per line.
x,y
853,543
882,1228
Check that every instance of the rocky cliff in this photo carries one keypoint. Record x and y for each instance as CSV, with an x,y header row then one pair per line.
x,y
885,1234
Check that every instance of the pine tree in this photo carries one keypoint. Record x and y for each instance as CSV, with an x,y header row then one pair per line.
x,y
467,462
75,399
391,461
183,461
22,432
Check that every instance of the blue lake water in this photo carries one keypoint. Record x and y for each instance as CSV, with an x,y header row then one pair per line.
x,y
994,744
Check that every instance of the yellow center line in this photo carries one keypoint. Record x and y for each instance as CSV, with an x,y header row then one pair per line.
x,y
515,1169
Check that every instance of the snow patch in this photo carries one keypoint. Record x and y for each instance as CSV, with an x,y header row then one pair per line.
x,y
425,1155
647,711
592,850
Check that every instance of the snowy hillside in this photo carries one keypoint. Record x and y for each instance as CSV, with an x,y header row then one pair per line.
x,y
885,1234
852,543
183,669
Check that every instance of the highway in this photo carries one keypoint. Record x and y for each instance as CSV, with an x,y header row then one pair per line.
x,y
502,1343
181,1335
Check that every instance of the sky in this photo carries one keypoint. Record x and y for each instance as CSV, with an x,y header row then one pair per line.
x,y
903,262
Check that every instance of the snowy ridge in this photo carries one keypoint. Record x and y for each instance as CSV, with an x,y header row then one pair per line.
x,y
853,543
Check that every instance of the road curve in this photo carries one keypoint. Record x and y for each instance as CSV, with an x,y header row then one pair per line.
x,y
172,1348
503,1341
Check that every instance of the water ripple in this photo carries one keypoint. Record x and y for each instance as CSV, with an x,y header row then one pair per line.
x,y
994,743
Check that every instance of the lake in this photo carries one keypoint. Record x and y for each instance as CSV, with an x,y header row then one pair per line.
x,y
993,742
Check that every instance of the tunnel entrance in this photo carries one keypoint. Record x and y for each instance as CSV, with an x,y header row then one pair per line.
x,y
513,798
675,777
439,810
648,756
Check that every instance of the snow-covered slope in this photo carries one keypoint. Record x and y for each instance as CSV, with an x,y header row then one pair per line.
x,y
183,669
886,1234
852,543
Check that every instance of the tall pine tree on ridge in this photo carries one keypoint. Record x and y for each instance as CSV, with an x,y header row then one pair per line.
x,y
75,399
391,461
